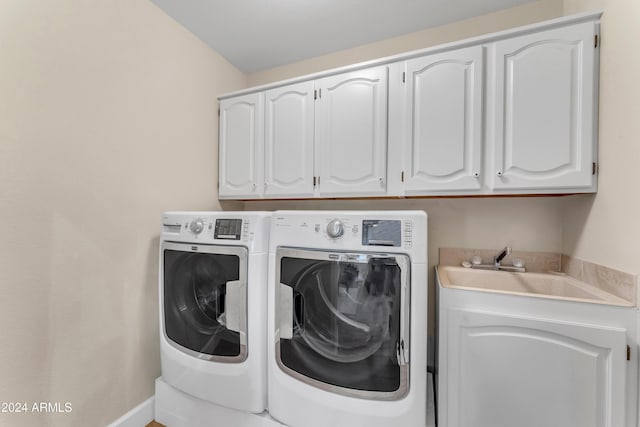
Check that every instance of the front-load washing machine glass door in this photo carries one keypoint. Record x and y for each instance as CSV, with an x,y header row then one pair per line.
x,y
342,321
205,300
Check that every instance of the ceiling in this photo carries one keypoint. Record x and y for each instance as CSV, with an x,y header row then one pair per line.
x,y
255,35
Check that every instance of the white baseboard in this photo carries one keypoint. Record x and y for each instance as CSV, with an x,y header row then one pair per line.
x,y
139,416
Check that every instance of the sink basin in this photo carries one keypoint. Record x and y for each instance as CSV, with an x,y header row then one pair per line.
x,y
545,285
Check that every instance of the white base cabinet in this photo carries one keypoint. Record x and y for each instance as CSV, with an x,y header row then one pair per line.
x,y
508,360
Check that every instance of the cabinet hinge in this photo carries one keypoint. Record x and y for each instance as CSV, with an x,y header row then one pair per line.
x,y
595,41
404,76
402,177
628,353
594,168
318,181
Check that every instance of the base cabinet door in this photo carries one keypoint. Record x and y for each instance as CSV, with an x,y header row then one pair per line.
x,y
545,110
444,122
240,146
351,133
506,371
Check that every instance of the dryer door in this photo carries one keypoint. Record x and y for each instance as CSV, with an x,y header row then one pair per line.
x,y
343,321
204,300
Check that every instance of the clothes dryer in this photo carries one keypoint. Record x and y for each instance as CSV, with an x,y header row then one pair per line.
x,y
347,337
212,291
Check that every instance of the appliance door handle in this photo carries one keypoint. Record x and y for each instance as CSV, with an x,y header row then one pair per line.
x,y
235,306
405,322
284,311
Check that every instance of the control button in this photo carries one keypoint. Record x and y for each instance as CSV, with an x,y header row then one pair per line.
x,y
354,229
335,228
317,228
196,226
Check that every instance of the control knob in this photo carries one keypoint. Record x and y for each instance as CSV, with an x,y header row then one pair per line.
x,y
196,226
335,228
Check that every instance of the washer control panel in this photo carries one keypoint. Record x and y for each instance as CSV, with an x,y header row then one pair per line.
x,y
377,232
346,230
335,228
196,226
228,229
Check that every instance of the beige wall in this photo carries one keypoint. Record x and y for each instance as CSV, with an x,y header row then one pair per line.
x,y
509,18
605,228
524,223
107,118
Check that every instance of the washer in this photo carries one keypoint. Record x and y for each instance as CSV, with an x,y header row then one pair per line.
x,y
347,340
212,291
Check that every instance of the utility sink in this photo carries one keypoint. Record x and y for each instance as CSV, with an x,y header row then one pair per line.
x,y
544,285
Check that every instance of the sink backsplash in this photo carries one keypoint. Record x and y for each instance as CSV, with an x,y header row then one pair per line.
x,y
616,282
533,261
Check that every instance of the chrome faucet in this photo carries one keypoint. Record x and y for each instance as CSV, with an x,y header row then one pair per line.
x,y
498,258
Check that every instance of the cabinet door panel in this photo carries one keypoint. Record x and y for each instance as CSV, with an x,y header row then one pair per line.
x,y
241,136
289,141
507,370
445,122
351,129
545,86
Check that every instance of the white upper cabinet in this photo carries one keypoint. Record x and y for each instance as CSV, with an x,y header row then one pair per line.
x,y
289,128
351,133
510,113
443,126
544,111
240,146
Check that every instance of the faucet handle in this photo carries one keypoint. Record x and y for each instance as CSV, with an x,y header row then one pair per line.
x,y
503,253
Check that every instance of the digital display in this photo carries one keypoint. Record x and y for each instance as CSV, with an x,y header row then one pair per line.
x,y
381,232
230,229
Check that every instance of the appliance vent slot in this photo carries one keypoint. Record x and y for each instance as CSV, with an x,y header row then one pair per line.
x,y
171,228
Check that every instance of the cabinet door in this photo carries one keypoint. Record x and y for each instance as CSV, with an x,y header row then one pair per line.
x,y
505,371
289,141
444,129
545,113
351,133
240,146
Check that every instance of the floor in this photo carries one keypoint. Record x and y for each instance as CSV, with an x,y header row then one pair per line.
x,y
154,424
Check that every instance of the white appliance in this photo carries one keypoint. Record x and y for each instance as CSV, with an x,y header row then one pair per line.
x,y
212,289
174,408
347,341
